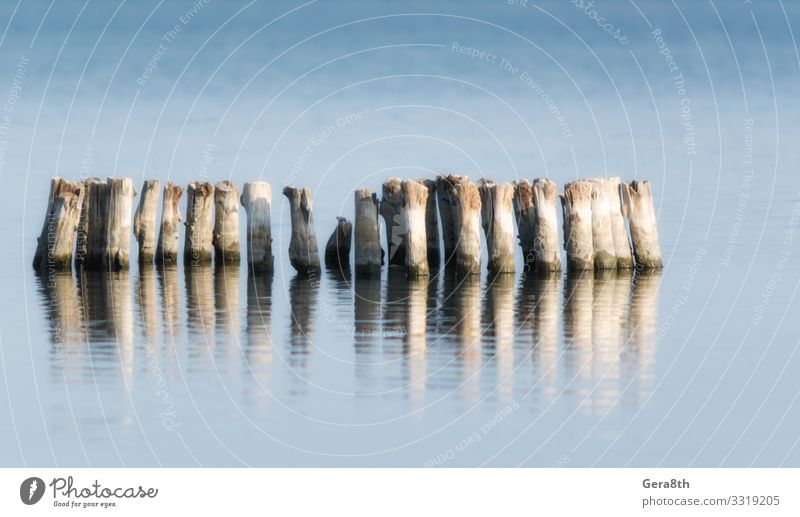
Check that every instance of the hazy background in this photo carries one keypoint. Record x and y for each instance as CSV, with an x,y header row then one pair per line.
x,y
338,95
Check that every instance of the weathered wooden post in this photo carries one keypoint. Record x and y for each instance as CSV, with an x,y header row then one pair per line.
x,y
57,238
498,224
97,219
622,246
576,204
169,234
415,197
197,247
337,251
466,226
257,202
432,225
445,185
368,253
120,212
525,215
391,209
638,202
546,245
226,223
303,252
82,239
602,236
144,222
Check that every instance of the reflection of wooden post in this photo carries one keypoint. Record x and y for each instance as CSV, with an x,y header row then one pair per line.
x,y
576,204
415,336
578,316
257,202
197,248
337,251
170,301
391,210
602,236
444,195
199,284
57,239
118,248
500,326
622,246
258,349
82,240
368,253
226,223
226,305
144,222
146,300
525,214
466,225
303,252
638,202
432,225
498,224
169,235
415,197
466,298
546,248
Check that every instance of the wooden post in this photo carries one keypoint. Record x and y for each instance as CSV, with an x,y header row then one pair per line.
x,y
57,239
197,247
576,204
415,197
391,210
622,246
432,225
498,224
368,253
144,222
602,236
97,198
444,195
120,212
546,246
337,251
525,215
257,202
466,226
82,239
226,223
169,234
638,203
303,252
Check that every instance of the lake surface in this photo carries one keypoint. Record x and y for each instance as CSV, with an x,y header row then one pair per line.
x,y
693,365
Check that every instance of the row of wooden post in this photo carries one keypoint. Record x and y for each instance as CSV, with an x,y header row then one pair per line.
x,y
90,223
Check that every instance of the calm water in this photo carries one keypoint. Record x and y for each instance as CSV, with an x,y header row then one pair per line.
x,y
694,365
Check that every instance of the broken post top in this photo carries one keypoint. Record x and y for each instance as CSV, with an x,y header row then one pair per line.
x,y
253,190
